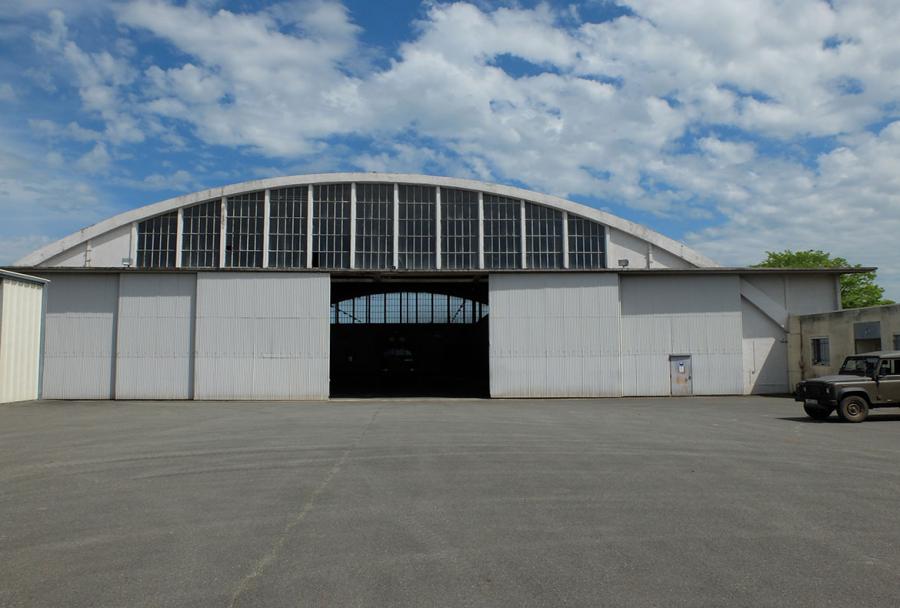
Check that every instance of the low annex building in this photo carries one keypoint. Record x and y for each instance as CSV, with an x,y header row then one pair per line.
x,y
313,286
820,342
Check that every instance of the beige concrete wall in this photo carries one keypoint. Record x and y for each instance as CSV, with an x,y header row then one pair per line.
x,y
838,328
20,339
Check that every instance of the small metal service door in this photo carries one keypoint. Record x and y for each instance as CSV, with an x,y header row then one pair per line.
x,y
680,366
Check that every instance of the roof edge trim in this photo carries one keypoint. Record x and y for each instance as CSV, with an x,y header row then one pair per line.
x,y
25,278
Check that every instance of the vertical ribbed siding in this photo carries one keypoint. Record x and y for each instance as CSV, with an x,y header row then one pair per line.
x,y
681,315
20,339
80,337
155,336
262,336
554,335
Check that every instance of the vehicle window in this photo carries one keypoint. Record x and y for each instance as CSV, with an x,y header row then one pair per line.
x,y
885,369
858,365
896,363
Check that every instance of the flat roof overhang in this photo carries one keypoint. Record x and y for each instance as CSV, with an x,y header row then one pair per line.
x,y
444,275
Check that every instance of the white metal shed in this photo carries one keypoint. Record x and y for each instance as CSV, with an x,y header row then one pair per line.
x,y
21,335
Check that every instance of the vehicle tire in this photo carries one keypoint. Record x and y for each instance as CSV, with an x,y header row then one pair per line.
x,y
816,411
853,408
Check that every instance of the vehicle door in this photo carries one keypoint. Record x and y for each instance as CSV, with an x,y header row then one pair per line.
x,y
889,381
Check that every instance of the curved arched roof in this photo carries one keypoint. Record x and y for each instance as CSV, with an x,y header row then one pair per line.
x,y
643,233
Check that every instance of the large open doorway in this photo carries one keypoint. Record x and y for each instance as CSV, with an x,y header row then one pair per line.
x,y
409,339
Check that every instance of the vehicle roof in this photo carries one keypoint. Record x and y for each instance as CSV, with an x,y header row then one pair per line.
x,y
878,353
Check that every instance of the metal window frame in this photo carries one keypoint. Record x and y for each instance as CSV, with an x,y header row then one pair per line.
x,y
812,350
204,239
244,230
288,223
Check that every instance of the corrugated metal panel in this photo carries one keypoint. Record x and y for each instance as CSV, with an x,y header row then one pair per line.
x,y
684,315
262,336
80,336
20,339
155,336
554,335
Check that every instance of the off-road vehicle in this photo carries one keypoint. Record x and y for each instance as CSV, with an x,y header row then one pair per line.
x,y
865,381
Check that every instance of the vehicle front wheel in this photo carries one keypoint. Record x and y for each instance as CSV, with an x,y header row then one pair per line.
x,y
853,408
816,411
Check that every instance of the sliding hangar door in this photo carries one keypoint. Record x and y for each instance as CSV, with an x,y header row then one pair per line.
x,y
607,335
187,335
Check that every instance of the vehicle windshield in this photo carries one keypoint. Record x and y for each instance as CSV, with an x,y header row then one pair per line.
x,y
859,366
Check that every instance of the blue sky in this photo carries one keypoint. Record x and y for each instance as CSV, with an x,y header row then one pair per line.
x,y
738,127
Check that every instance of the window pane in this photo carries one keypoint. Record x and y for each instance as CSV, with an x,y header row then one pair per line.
x,y
408,307
459,229
502,232
331,226
287,227
156,241
374,225
416,243
587,243
243,239
202,226
543,231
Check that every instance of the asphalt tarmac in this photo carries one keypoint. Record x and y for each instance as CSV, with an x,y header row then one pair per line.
x,y
618,502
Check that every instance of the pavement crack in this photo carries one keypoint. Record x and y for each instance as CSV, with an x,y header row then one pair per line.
x,y
266,560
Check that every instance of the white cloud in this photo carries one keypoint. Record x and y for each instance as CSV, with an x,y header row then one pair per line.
x,y
7,93
849,207
100,77
72,131
97,160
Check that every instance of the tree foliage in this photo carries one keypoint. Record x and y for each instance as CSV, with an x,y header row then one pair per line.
x,y
857,290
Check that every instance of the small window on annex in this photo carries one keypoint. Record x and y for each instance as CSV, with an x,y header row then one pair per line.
x,y
896,341
821,351
459,229
200,246
502,232
244,234
416,243
287,227
867,336
331,226
156,241
374,225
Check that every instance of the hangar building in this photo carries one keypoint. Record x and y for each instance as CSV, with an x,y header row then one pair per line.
x,y
313,286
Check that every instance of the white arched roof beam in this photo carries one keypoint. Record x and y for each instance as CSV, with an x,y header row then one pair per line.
x,y
653,238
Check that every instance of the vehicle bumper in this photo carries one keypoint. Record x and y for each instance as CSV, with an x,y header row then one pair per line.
x,y
824,400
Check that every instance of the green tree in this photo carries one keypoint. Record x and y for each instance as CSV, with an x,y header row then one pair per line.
x,y
857,290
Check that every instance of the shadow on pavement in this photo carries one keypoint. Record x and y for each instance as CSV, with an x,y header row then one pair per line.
x,y
834,419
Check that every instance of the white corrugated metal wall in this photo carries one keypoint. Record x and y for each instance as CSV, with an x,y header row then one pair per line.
x,y
20,339
554,335
80,336
262,335
681,315
155,336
